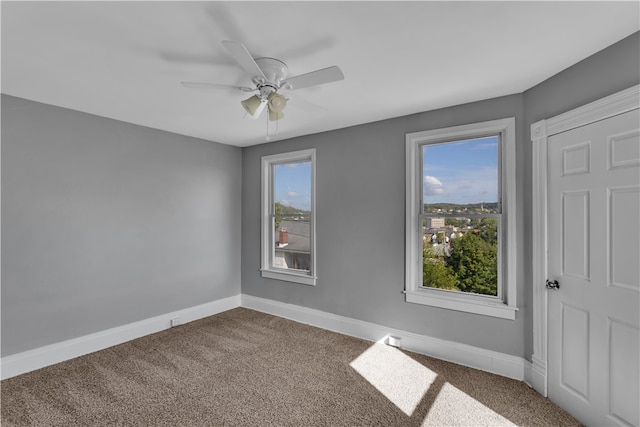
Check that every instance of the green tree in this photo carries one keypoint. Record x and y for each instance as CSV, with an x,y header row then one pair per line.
x,y
277,210
435,273
488,230
474,262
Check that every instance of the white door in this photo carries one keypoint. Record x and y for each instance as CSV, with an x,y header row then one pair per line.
x,y
593,219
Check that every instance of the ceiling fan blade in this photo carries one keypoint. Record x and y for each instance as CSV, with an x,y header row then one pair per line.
x,y
244,58
215,86
308,106
318,77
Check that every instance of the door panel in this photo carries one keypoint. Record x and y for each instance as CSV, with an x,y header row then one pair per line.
x,y
624,224
576,159
593,217
624,354
575,234
624,150
575,351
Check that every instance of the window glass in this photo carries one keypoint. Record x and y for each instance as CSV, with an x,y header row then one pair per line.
x,y
292,216
461,215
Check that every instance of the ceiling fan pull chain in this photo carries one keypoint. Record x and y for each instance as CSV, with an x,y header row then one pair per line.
x,y
268,137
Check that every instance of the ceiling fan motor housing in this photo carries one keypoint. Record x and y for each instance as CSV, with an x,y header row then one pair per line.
x,y
266,89
274,70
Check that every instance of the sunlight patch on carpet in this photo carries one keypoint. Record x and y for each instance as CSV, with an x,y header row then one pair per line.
x,y
453,407
397,376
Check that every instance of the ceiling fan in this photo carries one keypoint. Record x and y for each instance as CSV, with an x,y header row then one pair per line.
x,y
270,76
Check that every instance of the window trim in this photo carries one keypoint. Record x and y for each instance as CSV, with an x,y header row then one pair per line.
x,y
471,303
266,269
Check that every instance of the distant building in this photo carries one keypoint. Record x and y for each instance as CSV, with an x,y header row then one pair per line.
x,y
435,223
293,245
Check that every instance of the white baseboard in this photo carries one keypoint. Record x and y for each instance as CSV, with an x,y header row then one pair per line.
x,y
534,375
31,360
462,354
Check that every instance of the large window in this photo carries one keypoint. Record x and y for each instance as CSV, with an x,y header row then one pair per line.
x,y
288,223
460,218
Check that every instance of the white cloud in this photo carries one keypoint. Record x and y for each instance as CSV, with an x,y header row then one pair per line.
x,y
432,186
292,194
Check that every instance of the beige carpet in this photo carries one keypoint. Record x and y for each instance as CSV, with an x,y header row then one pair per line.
x,y
245,368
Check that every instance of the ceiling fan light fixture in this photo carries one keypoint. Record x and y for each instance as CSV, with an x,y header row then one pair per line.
x,y
254,106
269,75
277,102
275,115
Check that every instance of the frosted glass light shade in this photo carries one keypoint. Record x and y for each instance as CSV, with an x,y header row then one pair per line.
x,y
274,115
277,102
254,106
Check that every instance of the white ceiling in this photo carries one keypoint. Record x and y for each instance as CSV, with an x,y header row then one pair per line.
x,y
125,60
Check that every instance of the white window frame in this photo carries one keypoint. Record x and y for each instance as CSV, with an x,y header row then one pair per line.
x,y
267,236
504,307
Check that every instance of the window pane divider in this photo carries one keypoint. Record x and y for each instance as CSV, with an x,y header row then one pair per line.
x,y
469,215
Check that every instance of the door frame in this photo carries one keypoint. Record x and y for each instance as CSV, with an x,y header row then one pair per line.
x,y
541,131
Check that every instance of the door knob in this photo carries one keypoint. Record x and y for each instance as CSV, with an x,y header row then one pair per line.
x,y
553,284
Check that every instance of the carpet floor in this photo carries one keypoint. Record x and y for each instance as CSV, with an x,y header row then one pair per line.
x,y
246,368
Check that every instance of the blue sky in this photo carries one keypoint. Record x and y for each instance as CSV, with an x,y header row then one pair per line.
x,y
461,172
292,184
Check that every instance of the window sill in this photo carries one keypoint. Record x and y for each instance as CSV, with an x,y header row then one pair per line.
x,y
464,303
303,279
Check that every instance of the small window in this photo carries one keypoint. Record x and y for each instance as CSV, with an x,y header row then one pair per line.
x,y
460,242
288,223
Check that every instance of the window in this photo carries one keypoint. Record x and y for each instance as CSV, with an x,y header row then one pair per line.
x,y
288,217
460,213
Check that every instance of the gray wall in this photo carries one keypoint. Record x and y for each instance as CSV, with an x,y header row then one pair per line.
x,y
360,208
360,201
611,70
105,223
